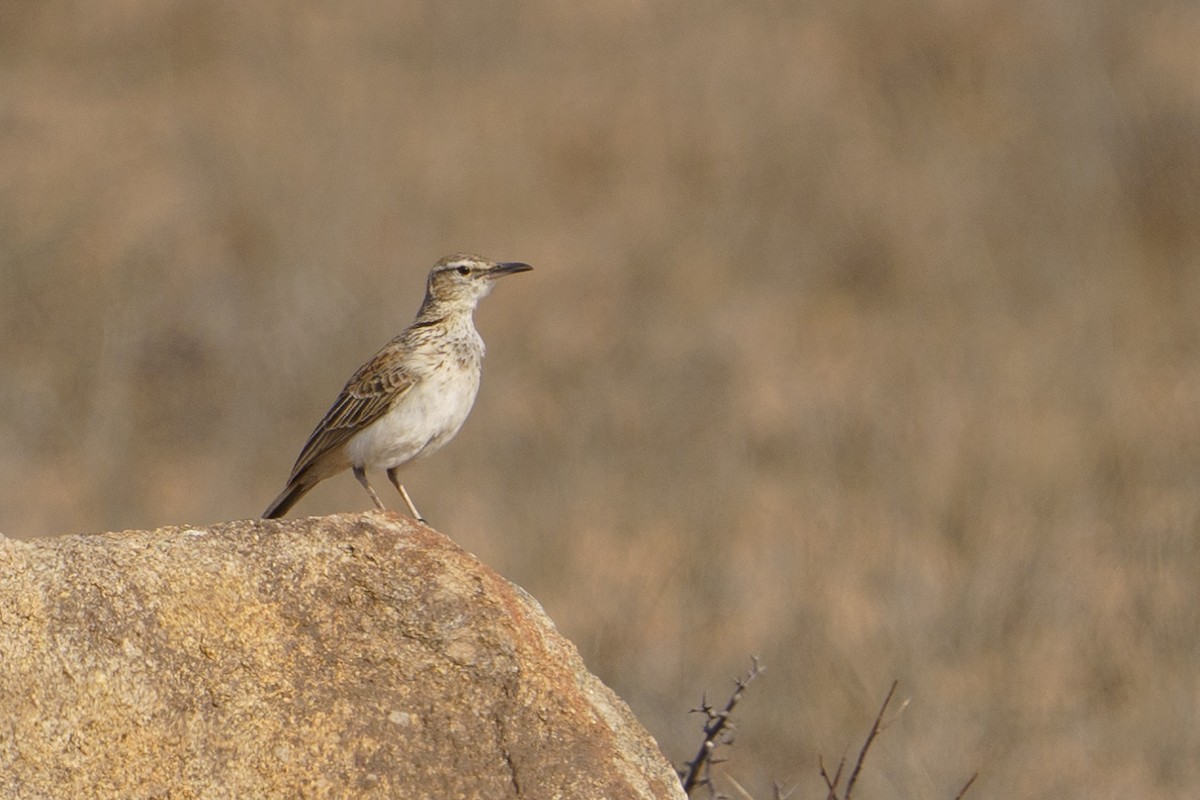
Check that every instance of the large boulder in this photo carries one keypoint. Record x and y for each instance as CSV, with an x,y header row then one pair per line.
x,y
345,656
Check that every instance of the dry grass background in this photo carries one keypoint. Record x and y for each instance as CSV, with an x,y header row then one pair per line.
x,y
863,337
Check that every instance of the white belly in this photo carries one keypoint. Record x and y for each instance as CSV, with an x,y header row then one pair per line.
x,y
423,420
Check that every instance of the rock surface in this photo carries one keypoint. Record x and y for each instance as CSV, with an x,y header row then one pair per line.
x,y
346,656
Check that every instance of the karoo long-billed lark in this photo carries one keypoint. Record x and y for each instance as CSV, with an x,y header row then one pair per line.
x,y
413,396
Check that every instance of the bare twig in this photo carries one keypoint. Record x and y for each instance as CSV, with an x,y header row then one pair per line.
x,y
784,794
717,728
831,783
966,786
875,729
741,790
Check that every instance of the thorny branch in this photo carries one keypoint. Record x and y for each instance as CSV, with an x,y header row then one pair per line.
x,y
718,727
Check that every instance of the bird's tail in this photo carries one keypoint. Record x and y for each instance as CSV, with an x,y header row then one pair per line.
x,y
296,488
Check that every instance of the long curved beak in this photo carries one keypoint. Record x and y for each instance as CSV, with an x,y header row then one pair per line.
x,y
508,268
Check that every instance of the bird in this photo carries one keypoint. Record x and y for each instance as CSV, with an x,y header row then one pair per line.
x,y
412,397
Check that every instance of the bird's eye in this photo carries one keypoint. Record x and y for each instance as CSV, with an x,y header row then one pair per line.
x,y
464,270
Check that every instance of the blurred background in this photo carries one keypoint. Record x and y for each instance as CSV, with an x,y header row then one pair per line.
x,y
863,337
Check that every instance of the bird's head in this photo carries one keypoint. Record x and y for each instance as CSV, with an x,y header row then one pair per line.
x,y
460,280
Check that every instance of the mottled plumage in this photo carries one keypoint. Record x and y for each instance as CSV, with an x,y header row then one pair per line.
x,y
412,396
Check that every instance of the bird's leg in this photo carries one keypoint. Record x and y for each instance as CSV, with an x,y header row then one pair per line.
x,y
361,474
394,478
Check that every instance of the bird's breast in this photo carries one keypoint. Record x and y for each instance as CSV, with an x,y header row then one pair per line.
x,y
422,419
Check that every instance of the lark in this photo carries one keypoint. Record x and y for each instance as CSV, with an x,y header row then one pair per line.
x,y
412,396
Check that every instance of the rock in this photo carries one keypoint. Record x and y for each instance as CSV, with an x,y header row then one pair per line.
x,y
346,656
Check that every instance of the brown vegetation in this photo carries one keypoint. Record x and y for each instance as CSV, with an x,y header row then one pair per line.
x,y
863,337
